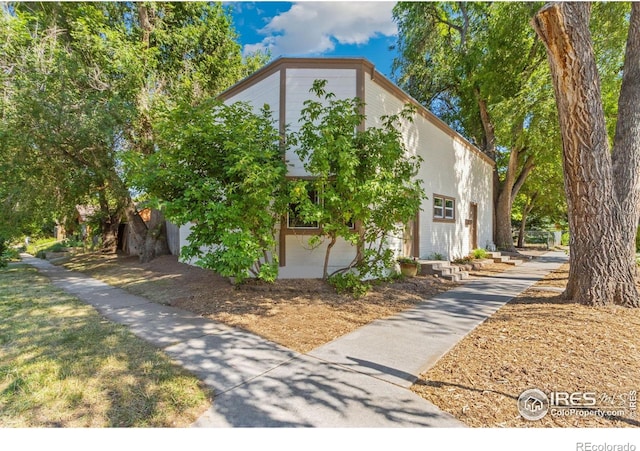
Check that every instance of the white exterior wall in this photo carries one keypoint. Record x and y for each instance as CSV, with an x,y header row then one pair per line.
x,y
449,168
306,262
266,91
301,260
341,82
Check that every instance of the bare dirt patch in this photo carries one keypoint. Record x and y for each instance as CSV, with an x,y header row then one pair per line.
x,y
540,341
300,314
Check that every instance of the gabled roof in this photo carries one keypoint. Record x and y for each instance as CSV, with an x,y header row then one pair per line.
x,y
350,63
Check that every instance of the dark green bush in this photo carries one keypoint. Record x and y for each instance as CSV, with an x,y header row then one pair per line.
x,y
349,283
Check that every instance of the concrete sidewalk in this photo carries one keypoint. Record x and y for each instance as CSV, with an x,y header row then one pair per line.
x,y
358,380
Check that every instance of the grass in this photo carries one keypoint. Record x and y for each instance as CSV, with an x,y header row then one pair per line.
x,y
62,365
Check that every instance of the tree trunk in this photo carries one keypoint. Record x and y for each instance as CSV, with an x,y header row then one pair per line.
x,y
155,243
150,239
109,231
506,191
504,235
325,270
602,269
523,227
525,214
109,224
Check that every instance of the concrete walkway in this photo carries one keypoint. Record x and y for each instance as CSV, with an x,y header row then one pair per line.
x,y
358,380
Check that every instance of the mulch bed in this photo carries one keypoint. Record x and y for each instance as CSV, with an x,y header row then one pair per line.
x,y
300,314
541,341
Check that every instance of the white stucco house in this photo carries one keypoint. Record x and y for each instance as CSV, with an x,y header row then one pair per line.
x,y
457,215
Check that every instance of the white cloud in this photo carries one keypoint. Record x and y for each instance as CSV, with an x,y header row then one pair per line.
x,y
313,28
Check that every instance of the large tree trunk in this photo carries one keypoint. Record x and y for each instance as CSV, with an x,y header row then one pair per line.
x,y
603,213
109,224
109,231
151,238
503,232
517,173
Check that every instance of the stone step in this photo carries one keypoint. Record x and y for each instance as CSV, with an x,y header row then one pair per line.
x,y
456,277
494,254
502,259
442,269
516,262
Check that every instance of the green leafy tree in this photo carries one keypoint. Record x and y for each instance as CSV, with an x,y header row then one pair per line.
x,y
59,128
541,201
81,84
365,179
478,66
223,171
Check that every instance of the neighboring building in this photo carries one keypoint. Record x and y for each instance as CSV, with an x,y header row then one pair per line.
x,y
456,217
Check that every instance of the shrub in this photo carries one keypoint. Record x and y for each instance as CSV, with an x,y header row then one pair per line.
x,y
349,283
564,240
57,247
463,260
438,257
479,254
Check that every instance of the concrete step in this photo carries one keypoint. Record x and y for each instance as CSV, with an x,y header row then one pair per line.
x,y
442,269
456,277
502,259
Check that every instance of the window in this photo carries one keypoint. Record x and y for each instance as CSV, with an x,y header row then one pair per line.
x,y
448,209
438,207
294,221
444,208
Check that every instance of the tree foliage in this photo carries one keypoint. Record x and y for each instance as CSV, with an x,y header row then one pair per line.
x,y
365,178
80,84
221,168
480,67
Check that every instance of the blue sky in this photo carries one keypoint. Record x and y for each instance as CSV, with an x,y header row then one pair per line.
x,y
327,28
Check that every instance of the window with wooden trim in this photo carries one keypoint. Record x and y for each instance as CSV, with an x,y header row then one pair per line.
x,y
444,208
294,220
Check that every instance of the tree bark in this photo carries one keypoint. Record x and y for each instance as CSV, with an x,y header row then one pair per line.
x,y
525,214
109,224
150,239
507,190
325,270
602,271
515,176
109,231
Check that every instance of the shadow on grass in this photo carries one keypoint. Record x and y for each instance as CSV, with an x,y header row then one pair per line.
x,y
65,366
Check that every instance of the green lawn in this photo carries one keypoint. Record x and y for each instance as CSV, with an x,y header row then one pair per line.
x,y
62,365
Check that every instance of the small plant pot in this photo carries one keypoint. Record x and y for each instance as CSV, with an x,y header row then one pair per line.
x,y
409,269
